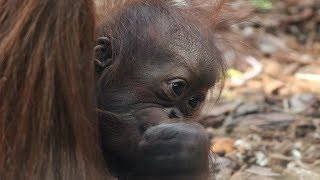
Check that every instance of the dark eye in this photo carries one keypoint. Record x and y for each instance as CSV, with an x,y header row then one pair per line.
x,y
195,101
178,86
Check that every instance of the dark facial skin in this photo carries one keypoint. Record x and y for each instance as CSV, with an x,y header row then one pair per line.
x,y
149,99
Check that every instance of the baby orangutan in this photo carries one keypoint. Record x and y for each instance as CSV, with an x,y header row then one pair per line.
x,y
155,62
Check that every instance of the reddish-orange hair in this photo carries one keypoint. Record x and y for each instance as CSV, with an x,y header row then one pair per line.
x,y
48,128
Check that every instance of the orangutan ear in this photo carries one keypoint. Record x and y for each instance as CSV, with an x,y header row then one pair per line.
x,y
103,53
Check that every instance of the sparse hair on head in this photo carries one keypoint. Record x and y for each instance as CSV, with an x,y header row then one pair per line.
x,y
126,22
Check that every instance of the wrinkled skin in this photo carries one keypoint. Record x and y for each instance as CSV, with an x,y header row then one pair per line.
x,y
150,88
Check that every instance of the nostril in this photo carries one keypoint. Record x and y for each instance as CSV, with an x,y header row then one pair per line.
x,y
172,115
142,128
175,113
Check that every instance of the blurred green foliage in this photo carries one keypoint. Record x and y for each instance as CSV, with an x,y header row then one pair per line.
x,y
233,73
264,5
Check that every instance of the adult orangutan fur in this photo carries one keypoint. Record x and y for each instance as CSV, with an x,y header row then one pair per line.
x,y
48,128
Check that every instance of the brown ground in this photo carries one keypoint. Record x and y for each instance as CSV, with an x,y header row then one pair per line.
x,y
266,125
